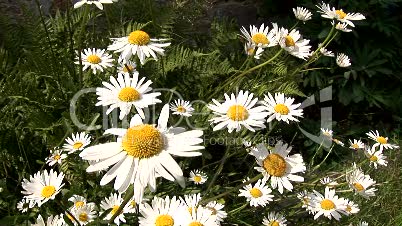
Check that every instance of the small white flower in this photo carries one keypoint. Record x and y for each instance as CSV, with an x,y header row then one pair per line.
x,y
306,199
113,202
98,3
342,27
217,209
25,204
342,60
328,204
262,37
56,156
325,52
199,216
302,14
250,50
380,140
181,107
332,13
281,108
360,182
356,144
274,219
191,201
96,59
294,44
351,207
167,211
50,221
198,177
257,195
328,182
77,143
84,214
376,157
78,201
327,132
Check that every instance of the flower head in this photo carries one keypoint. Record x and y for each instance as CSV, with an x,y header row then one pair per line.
x,y
96,59
77,142
198,177
25,204
274,219
360,182
376,157
98,3
113,202
258,194
338,14
181,107
56,156
342,60
329,204
162,212
380,140
262,37
356,144
302,14
281,108
56,220
294,44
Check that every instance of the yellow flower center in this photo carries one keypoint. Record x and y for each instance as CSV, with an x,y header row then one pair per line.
x,y
83,217
181,109
281,109
382,140
114,210
255,192
373,158
260,38
195,223
358,186
348,208
138,37
327,204
128,68
48,191
133,203
289,41
273,223
164,220
237,113
78,145
275,165
79,204
355,146
197,178
142,141
94,59
56,157
129,94
340,13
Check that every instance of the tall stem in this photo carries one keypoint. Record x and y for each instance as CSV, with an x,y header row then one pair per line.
x,y
220,168
127,197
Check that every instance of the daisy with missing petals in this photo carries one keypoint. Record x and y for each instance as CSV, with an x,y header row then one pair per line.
x,y
356,144
360,182
138,43
127,68
281,108
43,186
328,182
198,177
181,107
342,60
84,214
257,195
50,221
250,50
78,142
217,209
78,201
293,43
328,204
25,204
306,199
375,157
342,27
199,216
96,59
161,212
278,166
191,201
351,207
381,141
262,37
338,14
142,153
56,156
113,202
327,132
302,14
238,111
274,219
98,3
125,92
325,52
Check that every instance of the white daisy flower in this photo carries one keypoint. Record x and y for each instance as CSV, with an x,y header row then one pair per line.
x,y
125,92
342,60
332,13
199,216
325,52
381,141
98,3
138,43
78,201
113,202
306,199
356,144
250,50
96,59
278,166
78,142
56,156
342,27
351,207
302,14
262,37
143,152
84,214
127,68
338,142
56,220
328,182
181,107
257,195
42,186
293,43
191,201
25,204
274,219
360,182
327,132
238,111
328,205
281,108
217,209
375,157
162,212
198,177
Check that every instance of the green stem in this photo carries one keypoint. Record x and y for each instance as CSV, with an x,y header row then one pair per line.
x,y
220,168
315,154
127,197
238,209
84,21
316,68
319,165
